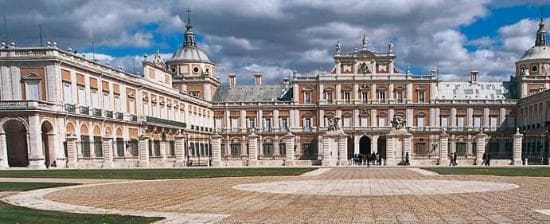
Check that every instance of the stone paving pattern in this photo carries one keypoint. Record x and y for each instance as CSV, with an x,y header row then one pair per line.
x,y
217,195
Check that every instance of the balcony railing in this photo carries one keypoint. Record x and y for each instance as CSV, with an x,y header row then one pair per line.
x,y
133,117
164,121
119,116
70,108
84,110
96,112
108,114
24,105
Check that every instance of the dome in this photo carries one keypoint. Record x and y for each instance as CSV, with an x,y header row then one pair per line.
x,y
537,52
190,53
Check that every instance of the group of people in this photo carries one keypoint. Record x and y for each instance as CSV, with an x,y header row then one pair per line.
x,y
367,159
486,159
452,159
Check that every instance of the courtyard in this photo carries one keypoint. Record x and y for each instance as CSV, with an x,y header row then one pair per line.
x,y
324,195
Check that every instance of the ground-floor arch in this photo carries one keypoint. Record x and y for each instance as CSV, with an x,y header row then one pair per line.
x,y
365,145
48,143
16,143
382,147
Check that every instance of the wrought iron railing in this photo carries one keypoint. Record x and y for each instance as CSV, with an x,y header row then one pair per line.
x,y
164,121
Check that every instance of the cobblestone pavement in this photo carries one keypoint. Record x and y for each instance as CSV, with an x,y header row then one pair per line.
x,y
218,196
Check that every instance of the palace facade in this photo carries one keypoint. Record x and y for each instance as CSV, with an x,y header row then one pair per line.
x,y
60,109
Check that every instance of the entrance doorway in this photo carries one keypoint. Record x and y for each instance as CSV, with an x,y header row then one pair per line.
x,y
48,143
350,148
382,146
16,142
364,146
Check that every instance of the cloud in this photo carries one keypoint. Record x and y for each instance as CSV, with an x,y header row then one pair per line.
x,y
280,36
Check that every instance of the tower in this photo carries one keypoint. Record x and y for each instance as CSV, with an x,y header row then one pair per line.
x,y
192,71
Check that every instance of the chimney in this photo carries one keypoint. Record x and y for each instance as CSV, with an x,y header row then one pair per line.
x,y
286,82
258,78
232,80
473,76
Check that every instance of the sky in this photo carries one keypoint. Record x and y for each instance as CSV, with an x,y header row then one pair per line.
x,y
279,37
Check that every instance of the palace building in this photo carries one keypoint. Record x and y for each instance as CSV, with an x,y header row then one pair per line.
x,y
60,109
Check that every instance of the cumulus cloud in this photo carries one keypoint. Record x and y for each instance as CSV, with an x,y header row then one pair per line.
x,y
277,37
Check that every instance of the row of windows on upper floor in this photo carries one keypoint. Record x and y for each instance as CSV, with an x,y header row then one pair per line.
x,y
328,96
266,123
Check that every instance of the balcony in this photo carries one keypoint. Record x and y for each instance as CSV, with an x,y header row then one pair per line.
x,y
96,112
25,105
119,116
70,108
84,110
133,117
161,121
108,114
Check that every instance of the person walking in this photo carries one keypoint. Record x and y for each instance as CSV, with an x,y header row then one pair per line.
x,y
454,159
484,157
488,162
451,163
377,158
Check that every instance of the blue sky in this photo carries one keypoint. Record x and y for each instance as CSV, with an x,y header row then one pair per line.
x,y
277,37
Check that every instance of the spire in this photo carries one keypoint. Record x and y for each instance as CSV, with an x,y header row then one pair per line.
x,y
365,42
541,33
189,35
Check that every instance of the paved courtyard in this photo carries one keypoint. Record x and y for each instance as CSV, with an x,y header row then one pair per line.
x,y
339,195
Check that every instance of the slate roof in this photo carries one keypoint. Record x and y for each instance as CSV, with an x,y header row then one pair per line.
x,y
483,90
252,93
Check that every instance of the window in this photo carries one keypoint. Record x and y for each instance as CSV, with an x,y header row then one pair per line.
x,y
118,107
399,96
106,101
307,97
95,98
420,121
421,149
235,149
267,124
282,149
67,93
381,121
364,121
218,123
33,91
283,122
347,122
234,123
460,148
251,122
381,96
444,122
460,122
328,96
365,96
307,123
81,96
347,98
421,96
477,122
267,149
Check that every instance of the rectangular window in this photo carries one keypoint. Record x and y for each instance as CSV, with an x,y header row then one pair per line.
x,y
364,121
477,122
234,123
106,101
347,122
267,149
33,91
381,96
347,97
251,123
67,93
421,96
420,122
381,121
283,122
328,96
493,122
218,123
460,122
117,104
365,96
81,96
235,150
95,98
307,97
267,124
307,123
399,96
444,122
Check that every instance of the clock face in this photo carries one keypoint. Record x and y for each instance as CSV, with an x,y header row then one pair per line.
x,y
534,68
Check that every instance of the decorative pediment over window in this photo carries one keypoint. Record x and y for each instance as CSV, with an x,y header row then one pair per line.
x,y
31,77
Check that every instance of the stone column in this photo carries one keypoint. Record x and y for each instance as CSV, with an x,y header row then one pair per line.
x,y
407,146
107,147
443,148
356,142
72,154
327,148
389,150
180,150
3,151
342,149
253,149
374,144
289,146
481,138
216,150
36,155
518,141
143,152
